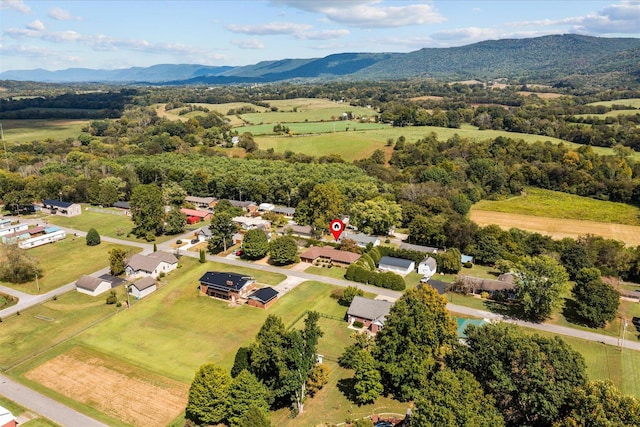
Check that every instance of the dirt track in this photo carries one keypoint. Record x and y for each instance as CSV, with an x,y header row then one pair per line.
x,y
559,228
113,388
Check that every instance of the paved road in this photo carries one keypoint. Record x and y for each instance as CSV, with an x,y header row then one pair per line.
x,y
45,406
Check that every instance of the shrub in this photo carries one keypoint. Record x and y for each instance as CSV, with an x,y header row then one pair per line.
x,y
161,275
467,264
484,295
348,294
112,298
118,304
178,242
358,324
93,238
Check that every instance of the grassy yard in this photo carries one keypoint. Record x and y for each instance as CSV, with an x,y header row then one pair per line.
x,y
65,261
17,410
27,130
334,272
27,335
555,204
111,225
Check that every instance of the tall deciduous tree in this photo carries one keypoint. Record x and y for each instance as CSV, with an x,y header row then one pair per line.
x,y
173,194
375,216
176,221
147,211
268,360
255,244
283,250
417,333
600,404
455,399
325,202
532,378
208,395
540,282
16,266
596,302
245,391
367,385
222,231
117,260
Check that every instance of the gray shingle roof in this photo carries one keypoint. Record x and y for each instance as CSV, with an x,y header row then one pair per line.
x,y
369,309
419,248
430,262
144,283
395,262
89,283
149,262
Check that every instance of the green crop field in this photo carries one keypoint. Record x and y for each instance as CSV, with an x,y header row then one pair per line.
x,y
312,115
313,127
631,102
614,113
20,131
555,204
65,261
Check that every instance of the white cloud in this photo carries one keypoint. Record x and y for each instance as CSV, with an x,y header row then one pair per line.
x,y
322,35
271,28
368,13
61,15
248,44
17,5
36,25
461,34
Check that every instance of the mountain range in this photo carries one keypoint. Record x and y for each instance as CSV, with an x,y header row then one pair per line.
x,y
547,57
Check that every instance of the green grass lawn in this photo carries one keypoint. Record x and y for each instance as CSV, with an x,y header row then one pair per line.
x,y
27,335
312,127
331,113
334,272
27,130
111,225
65,261
555,204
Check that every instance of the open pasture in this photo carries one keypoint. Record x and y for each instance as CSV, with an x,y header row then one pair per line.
x,y
613,113
305,128
65,261
558,228
27,130
301,116
541,95
631,102
555,204
113,387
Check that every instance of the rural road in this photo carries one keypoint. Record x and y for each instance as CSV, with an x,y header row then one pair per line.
x,y
45,406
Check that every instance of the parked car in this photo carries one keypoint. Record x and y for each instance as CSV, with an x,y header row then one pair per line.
x,y
239,252
194,241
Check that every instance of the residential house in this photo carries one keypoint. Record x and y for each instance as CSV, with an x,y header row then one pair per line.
x,y
266,207
203,203
427,267
47,235
263,297
371,313
284,210
361,239
92,286
440,286
419,248
58,207
203,234
227,286
397,265
13,229
201,215
125,207
4,223
250,223
143,287
247,205
476,285
6,418
304,231
151,265
329,254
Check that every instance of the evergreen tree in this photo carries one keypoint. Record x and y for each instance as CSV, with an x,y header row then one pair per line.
x,y
147,210
245,391
176,221
255,244
93,238
242,361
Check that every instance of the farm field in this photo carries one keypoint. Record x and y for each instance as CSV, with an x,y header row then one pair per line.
x,y
558,228
332,113
555,204
614,113
312,127
77,259
27,130
631,102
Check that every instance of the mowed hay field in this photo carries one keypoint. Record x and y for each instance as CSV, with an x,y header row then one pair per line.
x,y
21,131
122,391
561,215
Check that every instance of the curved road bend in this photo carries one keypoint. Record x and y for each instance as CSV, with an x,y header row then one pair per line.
x,y
45,406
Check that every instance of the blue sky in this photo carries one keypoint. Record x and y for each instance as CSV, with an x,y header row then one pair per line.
x,y
113,34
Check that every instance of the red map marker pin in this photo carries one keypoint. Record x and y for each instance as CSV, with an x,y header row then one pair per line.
x,y
337,227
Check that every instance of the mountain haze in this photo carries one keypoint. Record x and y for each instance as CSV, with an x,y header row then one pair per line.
x,y
547,57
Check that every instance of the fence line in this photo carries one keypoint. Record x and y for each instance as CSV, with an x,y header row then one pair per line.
x,y
107,211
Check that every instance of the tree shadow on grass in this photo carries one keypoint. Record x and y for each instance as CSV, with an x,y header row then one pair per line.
x,y
636,322
346,387
570,312
504,308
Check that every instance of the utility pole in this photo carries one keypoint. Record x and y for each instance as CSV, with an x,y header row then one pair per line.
x,y
37,283
624,332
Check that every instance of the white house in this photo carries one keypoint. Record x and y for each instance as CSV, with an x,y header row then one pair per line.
x,y
92,286
12,229
151,265
427,267
6,418
52,234
57,207
361,239
266,207
397,265
249,223
143,287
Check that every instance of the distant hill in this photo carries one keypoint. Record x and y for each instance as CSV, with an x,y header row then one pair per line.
x,y
543,58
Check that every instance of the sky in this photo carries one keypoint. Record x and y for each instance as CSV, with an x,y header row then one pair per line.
x,y
55,35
